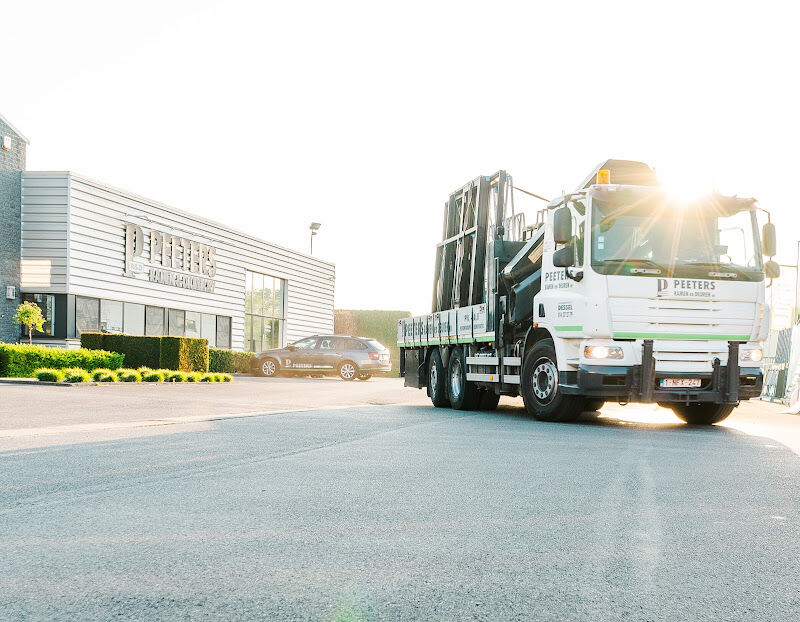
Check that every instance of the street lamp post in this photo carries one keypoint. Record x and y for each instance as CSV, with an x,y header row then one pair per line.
x,y
314,226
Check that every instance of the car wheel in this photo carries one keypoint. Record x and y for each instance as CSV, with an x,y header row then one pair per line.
x,y
364,376
269,368
348,370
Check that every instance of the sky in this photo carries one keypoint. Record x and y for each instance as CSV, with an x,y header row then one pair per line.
x,y
364,116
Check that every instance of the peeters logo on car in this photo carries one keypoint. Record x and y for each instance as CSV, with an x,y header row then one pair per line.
x,y
686,288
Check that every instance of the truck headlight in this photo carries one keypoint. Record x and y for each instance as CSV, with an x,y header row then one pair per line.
x,y
602,352
753,356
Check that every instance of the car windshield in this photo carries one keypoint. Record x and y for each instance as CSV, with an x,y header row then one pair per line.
x,y
650,235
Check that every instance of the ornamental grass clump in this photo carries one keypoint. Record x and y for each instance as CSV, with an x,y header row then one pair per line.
x,y
76,375
49,375
104,375
208,377
129,375
174,376
193,376
225,377
153,375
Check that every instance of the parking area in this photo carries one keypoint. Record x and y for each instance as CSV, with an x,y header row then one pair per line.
x,y
42,405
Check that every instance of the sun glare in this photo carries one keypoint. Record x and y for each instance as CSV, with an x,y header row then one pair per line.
x,y
684,185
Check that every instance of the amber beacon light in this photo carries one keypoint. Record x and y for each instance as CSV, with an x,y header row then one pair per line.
x,y
604,176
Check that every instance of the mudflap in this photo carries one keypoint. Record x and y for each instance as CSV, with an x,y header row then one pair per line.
x,y
411,365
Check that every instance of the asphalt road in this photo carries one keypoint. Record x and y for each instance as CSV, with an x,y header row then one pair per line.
x,y
404,512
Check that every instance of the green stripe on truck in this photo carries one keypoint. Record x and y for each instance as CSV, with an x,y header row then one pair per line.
x,y
568,329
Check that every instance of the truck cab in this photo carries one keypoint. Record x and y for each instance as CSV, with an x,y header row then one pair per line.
x,y
653,299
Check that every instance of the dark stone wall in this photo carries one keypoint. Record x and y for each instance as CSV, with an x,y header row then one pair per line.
x,y
12,163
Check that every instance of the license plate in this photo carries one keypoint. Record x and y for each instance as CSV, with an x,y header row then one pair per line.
x,y
680,383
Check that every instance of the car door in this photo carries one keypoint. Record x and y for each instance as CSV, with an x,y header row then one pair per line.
x,y
328,353
301,355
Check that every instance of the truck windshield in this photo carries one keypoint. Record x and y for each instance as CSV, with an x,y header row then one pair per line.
x,y
648,235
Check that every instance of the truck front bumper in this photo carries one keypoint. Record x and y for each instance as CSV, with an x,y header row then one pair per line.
x,y
642,383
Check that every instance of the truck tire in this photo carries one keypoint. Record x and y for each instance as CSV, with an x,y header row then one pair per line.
x,y
539,384
592,404
702,413
488,400
463,393
437,381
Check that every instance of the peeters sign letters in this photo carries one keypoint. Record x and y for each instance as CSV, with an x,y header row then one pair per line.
x,y
173,260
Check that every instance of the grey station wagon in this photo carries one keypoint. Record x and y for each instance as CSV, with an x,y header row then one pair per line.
x,y
343,355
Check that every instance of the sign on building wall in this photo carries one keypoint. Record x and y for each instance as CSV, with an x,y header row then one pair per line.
x,y
170,259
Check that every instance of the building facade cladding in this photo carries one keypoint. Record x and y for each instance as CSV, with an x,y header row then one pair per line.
x,y
13,147
82,239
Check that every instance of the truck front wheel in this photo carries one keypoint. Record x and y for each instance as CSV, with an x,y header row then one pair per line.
x,y
539,384
437,380
463,393
702,413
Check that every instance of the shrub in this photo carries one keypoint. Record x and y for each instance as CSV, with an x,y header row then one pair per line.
x,y
208,377
175,376
129,375
76,375
225,377
104,375
22,360
229,361
139,351
49,375
154,375
193,376
179,353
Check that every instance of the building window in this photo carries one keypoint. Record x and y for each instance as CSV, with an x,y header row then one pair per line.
x,y
208,329
111,316
87,315
154,323
47,303
177,323
223,337
192,324
134,319
263,311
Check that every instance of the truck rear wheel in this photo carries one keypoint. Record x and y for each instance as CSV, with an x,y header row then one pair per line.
x,y
702,413
539,384
437,381
463,393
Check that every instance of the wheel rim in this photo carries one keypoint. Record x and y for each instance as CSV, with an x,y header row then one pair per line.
x,y
434,377
455,379
545,381
348,371
268,368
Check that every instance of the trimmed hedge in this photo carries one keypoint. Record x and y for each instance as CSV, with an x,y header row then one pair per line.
x,y
229,361
22,360
177,353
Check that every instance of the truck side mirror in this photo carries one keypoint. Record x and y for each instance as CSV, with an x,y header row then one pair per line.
x,y
768,240
564,257
562,225
771,269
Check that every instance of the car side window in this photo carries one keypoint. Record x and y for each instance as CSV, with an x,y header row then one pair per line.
x,y
354,344
327,343
305,344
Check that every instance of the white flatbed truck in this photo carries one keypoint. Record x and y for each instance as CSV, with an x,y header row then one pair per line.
x,y
616,293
